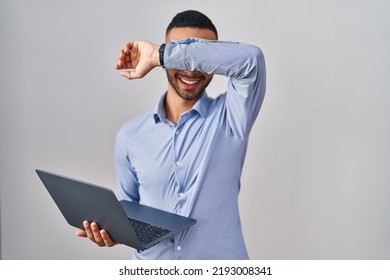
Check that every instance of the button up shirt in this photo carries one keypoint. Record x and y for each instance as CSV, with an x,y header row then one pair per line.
x,y
193,168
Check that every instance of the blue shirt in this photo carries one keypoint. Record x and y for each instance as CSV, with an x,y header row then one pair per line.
x,y
194,168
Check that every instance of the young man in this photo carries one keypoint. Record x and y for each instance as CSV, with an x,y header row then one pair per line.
x,y
186,156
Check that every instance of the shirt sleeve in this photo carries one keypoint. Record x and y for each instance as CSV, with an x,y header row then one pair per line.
x,y
127,182
243,64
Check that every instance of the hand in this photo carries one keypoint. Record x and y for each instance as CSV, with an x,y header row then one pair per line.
x,y
93,232
140,56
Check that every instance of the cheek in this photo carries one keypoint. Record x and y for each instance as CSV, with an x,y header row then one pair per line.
x,y
208,77
171,72
171,75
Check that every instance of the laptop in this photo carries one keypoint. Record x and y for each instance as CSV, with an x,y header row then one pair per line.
x,y
128,223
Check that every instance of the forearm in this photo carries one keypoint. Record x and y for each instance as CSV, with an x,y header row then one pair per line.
x,y
231,59
243,64
126,179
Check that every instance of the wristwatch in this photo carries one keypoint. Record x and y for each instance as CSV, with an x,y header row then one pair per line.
x,y
161,54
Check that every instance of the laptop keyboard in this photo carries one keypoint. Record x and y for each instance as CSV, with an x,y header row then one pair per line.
x,y
147,232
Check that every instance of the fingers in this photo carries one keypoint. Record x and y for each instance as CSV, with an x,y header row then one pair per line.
x,y
125,61
96,236
127,46
107,239
88,230
137,59
93,233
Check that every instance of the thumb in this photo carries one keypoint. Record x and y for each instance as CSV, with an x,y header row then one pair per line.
x,y
139,72
130,74
81,233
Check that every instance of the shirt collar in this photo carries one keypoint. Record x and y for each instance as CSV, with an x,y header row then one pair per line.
x,y
159,111
201,106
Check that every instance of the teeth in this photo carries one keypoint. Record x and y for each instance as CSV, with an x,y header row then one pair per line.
x,y
190,82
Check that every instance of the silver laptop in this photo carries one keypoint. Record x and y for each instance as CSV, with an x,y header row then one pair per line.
x,y
129,223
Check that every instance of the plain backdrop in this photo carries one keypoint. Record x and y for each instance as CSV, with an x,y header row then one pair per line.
x,y
316,182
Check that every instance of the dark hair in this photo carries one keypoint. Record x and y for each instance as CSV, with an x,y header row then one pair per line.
x,y
191,18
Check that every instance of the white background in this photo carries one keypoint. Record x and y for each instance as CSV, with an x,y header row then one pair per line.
x,y
316,182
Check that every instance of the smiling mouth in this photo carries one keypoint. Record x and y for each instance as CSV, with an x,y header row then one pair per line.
x,y
190,83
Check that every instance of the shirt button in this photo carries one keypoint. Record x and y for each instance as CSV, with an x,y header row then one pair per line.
x,y
180,194
178,248
177,163
177,132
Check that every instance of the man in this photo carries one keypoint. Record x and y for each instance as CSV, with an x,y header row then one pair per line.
x,y
187,155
